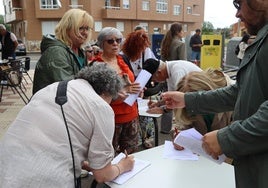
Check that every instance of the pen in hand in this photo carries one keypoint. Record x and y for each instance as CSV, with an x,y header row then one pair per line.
x,y
176,131
126,154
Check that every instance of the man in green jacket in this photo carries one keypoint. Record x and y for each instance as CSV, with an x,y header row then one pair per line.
x,y
246,139
62,55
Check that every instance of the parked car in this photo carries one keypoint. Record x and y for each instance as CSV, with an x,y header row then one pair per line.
x,y
21,49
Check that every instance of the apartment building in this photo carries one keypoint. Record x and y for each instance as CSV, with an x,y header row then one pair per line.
x,y
31,19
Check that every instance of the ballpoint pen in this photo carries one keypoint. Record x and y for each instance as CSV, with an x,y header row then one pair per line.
x,y
126,153
176,131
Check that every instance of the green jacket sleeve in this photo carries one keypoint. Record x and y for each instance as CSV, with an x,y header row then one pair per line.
x,y
214,101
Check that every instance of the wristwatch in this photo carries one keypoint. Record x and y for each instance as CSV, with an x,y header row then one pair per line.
x,y
164,108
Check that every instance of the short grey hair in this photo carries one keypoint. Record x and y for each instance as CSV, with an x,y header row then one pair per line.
x,y
105,33
2,26
102,78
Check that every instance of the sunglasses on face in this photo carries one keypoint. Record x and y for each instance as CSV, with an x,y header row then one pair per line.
x,y
111,41
89,51
237,4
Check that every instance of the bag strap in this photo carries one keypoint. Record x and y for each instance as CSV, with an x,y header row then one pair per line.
x,y
126,60
143,54
61,99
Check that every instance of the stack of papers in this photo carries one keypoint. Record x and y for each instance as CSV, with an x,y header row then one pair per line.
x,y
171,153
142,78
192,140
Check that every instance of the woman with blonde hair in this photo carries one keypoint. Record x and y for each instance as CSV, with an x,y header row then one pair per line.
x,y
62,55
209,79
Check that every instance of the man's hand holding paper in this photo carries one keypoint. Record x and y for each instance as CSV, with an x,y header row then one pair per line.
x,y
192,139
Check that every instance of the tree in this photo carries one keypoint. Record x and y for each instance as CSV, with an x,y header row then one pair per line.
x,y
2,19
207,28
3,22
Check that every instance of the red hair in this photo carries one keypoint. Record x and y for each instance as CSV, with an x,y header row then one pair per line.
x,y
135,44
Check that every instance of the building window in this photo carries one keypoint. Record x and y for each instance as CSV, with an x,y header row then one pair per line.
x,y
48,27
98,26
9,7
74,2
144,25
161,6
189,10
176,9
49,4
146,5
120,26
185,28
107,3
157,30
125,4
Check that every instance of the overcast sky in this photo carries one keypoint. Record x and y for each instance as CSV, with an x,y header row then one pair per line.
x,y
221,13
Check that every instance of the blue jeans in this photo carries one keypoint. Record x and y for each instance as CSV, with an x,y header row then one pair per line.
x,y
195,56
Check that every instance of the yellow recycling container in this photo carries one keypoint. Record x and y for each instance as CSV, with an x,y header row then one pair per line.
x,y
211,51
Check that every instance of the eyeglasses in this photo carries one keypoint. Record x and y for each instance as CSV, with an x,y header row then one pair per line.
x,y
111,41
89,51
86,28
237,4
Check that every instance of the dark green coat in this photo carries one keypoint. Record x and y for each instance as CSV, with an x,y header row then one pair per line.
x,y
57,63
246,139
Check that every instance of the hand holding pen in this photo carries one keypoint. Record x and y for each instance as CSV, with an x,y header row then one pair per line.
x,y
126,153
126,163
151,103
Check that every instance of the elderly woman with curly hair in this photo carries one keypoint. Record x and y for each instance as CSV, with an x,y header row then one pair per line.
x,y
126,116
37,141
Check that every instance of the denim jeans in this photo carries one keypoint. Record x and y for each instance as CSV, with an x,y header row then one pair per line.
x,y
195,56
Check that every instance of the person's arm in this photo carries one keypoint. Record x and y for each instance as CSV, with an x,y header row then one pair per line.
x,y
245,137
14,39
181,52
148,54
58,63
113,171
15,44
174,99
100,149
219,100
240,138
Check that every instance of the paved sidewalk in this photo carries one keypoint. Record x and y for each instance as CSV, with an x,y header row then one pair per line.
x,y
11,104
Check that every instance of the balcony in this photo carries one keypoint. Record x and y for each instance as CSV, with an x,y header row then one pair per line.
x,y
115,12
15,15
76,6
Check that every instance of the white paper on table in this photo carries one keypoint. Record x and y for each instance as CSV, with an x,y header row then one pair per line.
x,y
139,165
192,140
142,78
171,153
